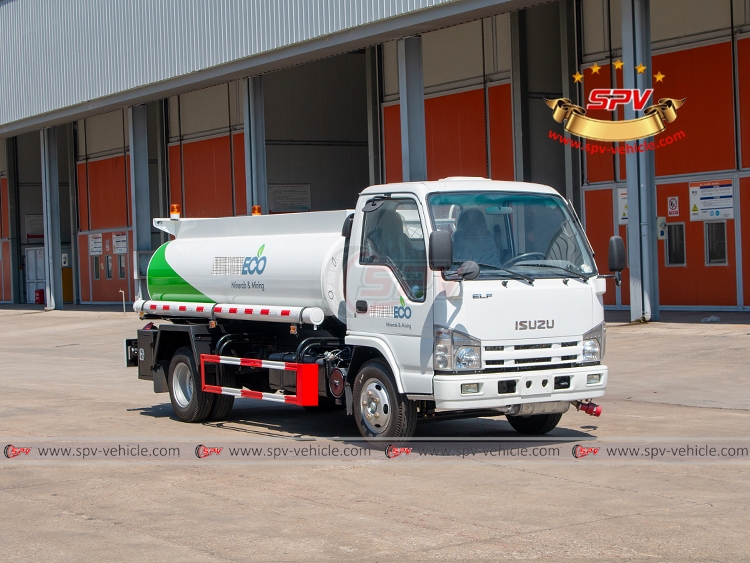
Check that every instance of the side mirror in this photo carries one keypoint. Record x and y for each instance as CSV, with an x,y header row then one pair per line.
x,y
617,258
469,270
441,250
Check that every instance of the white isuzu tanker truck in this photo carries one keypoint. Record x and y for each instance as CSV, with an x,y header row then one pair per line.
x,y
460,297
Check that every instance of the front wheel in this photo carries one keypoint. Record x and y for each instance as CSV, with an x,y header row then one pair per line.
x,y
535,425
189,402
380,411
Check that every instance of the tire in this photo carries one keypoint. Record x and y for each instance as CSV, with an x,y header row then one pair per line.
x,y
534,425
189,402
223,403
391,414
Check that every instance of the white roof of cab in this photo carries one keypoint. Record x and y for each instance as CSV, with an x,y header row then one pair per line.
x,y
458,184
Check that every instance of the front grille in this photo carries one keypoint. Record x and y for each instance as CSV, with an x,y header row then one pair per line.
x,y
509,369
495,362
533,360
568,358
494,348
532,346
568,344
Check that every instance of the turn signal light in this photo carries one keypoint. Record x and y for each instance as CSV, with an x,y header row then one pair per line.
x,y
174,211
256,210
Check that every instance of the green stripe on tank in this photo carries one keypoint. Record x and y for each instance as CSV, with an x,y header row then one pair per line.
x,y
164,284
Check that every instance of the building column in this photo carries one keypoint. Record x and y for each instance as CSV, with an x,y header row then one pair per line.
x,y
641,180
569,59
16,281
372,63
51,211
256,184
411,100
140,196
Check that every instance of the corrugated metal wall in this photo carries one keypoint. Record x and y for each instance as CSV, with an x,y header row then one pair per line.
x,y
60,54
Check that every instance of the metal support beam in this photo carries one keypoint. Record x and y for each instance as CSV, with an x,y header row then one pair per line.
x,y
569,60
73,200
372,63
140,199
51,211
641,181
411,100
256,183
16,281
520,85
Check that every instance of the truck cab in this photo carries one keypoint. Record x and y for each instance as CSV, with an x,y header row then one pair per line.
x,y
479,295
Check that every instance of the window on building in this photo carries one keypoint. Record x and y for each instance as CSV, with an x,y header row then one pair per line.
x,y
675,244
96,265
716,242
108,267
121,270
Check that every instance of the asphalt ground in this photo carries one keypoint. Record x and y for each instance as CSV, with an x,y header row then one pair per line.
x,y
674,384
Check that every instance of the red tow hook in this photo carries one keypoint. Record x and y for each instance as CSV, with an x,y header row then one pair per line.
x,y
589,408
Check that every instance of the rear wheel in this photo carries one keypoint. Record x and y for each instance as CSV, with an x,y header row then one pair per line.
x,y
189,402
380,411
535,425
223,403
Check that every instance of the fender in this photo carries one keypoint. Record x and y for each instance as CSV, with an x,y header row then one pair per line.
x,y
368,340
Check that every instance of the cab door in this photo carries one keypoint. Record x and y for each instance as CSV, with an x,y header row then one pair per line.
x,y
389,287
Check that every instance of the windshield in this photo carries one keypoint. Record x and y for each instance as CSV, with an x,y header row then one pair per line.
x,y
509,234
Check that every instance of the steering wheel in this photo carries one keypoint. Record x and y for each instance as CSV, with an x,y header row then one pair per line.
x,y
526,255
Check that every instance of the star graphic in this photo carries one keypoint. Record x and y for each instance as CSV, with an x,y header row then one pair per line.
x,y
659,77
578,77
618,64
595,68
640,68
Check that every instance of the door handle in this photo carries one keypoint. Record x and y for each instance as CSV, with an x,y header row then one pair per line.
x,y
361,306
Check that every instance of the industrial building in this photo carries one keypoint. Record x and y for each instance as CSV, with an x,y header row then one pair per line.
x,y
113,111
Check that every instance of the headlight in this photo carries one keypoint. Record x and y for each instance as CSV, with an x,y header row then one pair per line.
x,y
593,343
456,351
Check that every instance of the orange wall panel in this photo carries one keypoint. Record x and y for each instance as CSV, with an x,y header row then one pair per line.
x,y
599,228
455,135
745,222
83,197
240,195
392,142
704,76
175,174
4,209
501,132
108,193
208,178
695,283
84,267
6,288
743,77
600,167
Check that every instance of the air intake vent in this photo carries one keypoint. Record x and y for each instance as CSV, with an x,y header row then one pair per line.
x,y
533,346
568,344
494,348
494,362
568,358
533,360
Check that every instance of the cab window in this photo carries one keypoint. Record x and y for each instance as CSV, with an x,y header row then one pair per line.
x,y
393,237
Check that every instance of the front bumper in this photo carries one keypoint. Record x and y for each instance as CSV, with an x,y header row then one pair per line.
x,y
530,387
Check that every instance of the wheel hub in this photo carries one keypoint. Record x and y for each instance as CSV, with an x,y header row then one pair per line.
x,y
182,385
376,409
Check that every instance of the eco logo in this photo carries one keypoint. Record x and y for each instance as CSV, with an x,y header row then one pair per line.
x,y
402,312
240,265
652,123
255,264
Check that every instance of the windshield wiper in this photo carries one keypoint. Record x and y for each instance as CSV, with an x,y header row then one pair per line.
x,y
571,272
514,275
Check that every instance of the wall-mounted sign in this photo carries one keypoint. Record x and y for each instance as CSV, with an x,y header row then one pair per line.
x,y
673,206
289,198
120,243
711,200
622,206
35,226
95,244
